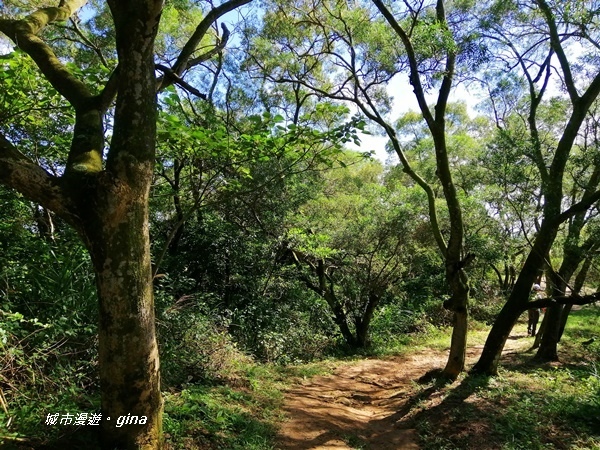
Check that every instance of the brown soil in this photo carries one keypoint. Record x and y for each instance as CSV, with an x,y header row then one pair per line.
x,y
374,404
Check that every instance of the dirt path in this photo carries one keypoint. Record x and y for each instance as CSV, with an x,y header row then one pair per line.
x,y
357,406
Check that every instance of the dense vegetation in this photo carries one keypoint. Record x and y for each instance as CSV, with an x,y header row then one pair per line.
x,y
201,180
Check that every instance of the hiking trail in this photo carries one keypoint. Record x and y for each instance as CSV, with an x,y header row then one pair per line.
x,y
364,404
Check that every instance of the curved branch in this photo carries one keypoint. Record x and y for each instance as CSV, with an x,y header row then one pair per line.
x,y
89,43
583,205
415,80
172,77
24,32
555,42
213,51
563,300
190,47
108,94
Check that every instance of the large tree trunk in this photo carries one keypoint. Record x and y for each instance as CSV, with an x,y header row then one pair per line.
x,y
107,200
548,350
128,352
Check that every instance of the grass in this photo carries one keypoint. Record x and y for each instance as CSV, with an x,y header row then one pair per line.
x,y
527,406
233,417
221,417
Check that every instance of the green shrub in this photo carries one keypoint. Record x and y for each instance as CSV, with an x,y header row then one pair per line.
x,y
195,345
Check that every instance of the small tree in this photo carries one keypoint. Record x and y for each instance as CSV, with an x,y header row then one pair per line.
x,y
351,246
350,54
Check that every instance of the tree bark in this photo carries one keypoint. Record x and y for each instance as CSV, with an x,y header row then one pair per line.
x,y
577,287
363,322
548,348
118,240
458,348
108,207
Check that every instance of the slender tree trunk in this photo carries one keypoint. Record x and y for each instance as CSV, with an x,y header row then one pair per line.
x,y
44,223
549,332
339,316
516,303
458,304
573,255
362,333
452,252
179,215
564,317
458,348
577,287
540,333
548,349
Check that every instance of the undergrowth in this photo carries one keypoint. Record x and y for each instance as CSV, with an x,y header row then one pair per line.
x,y
230,401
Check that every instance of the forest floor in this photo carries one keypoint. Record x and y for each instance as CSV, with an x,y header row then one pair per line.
x,y
377,403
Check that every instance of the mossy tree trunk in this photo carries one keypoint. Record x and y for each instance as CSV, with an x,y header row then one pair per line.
x,y
108,206
116,233
106,199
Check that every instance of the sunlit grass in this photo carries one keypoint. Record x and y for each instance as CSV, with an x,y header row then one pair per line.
x,y
528,405
201,417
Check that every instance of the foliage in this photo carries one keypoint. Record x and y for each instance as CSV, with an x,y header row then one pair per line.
x,y
47,323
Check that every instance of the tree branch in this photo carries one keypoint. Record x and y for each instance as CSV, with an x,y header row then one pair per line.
x,y
558,49
415,79
108,94
18,172
24,32
183,61
221,43
171,77
89,43
563,300
445,88
581,206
